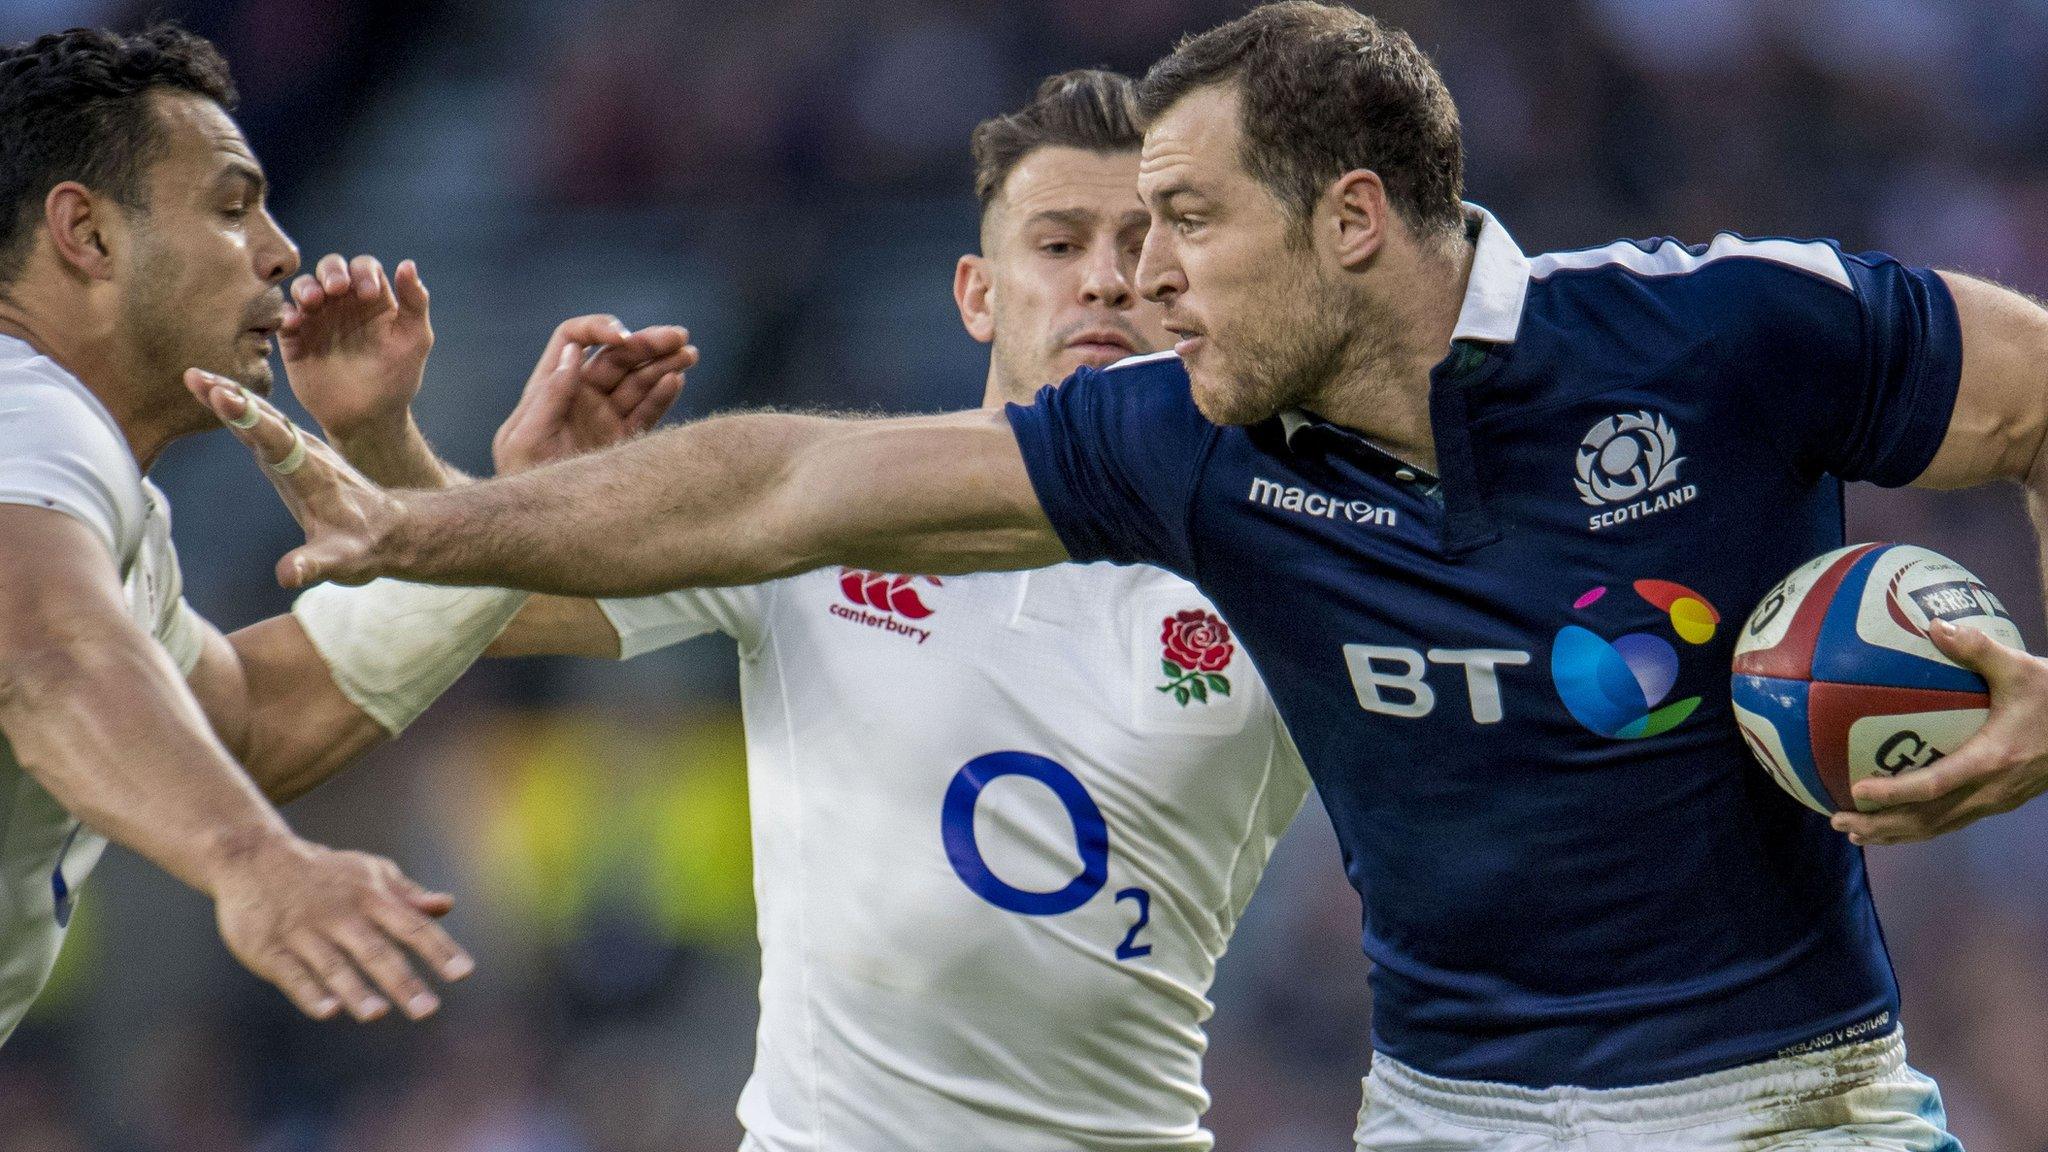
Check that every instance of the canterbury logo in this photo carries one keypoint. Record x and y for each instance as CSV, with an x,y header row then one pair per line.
x,y
886,592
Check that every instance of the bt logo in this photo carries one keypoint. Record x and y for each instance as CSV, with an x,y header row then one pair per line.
x,y
1615,688
1393,681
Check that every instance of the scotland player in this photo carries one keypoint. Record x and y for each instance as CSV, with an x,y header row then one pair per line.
x,y
1595,923
1003,824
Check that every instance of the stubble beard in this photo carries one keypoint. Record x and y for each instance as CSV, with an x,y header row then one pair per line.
x,y
1306,338
166,337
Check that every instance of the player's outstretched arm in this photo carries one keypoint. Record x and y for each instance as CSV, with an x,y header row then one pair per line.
x,y
95,711
1999,431
732,500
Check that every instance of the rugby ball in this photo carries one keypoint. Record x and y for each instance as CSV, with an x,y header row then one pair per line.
x,y
1836,679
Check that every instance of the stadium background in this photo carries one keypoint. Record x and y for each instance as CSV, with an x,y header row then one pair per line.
x,y
789,179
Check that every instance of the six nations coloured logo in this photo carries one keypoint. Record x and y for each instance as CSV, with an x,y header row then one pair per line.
x,y
1196,649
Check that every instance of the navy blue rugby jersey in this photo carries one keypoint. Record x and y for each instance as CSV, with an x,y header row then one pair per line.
x,y
1511,683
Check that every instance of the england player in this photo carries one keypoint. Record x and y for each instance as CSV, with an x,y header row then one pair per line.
x,y
1003,824
1387,450
134,241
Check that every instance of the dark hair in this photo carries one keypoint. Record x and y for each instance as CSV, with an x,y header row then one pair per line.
x,y
1089,108
73,106
1324,90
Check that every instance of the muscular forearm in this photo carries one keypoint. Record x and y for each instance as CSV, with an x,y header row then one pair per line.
x,y
558,626
737,500
105,726
296,727
693,506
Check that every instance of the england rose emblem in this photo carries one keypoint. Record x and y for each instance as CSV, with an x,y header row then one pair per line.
x,y
1197,649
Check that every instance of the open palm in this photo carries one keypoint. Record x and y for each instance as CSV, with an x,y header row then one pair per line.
x,y
355,341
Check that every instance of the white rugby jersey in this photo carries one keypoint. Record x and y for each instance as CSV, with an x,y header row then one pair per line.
x,y
1003,827
61,449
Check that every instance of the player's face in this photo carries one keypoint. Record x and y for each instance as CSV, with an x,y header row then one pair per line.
x,y
1060,256
1261,324
203,283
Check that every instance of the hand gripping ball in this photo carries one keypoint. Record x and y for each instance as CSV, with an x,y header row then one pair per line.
x,y
1836,679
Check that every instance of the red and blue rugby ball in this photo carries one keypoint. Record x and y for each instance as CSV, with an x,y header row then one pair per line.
x,y
1836,679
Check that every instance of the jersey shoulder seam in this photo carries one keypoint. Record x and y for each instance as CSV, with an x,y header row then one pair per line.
x,y
1665,258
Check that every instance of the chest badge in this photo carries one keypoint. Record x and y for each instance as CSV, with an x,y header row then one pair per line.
x,y
1195,649
1628,465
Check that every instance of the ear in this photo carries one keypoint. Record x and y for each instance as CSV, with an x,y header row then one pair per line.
x,y
972,289
1359,216
81,227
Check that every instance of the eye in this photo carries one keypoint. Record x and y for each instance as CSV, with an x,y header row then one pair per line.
x,y
235,212
1058,248
1186,225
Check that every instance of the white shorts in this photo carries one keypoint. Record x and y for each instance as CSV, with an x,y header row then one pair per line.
x,y
1858,1096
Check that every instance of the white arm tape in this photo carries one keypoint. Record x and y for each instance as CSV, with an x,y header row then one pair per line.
x,y
394,647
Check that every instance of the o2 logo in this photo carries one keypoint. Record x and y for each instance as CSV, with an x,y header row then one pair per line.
x,y
1091,839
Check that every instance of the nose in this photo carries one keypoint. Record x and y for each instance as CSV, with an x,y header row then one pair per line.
x,y
275,254
1159,276
1104,280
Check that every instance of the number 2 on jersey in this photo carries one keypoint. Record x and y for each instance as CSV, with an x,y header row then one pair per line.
x,y
1130,949
1091,840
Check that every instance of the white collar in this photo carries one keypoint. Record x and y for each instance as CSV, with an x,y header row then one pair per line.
x,y
1492,311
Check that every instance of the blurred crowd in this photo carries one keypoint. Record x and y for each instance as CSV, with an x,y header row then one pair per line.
x,y
790,178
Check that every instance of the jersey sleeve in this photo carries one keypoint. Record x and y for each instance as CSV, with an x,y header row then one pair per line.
x,y
183,634
1855,365
1114,456
56,454
647,623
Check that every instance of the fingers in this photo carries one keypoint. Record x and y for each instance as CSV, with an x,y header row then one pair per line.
x,y
1913,822
306,293
595,330
302,567
333,274
435,904
387,967
367,276
630,391
659,400
547,401
338,976
410,921
300,986
411,290
335,279
1977,651
664,343
1968,765
263,429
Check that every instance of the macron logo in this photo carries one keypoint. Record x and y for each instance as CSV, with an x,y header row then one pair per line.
x,y
1289,498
